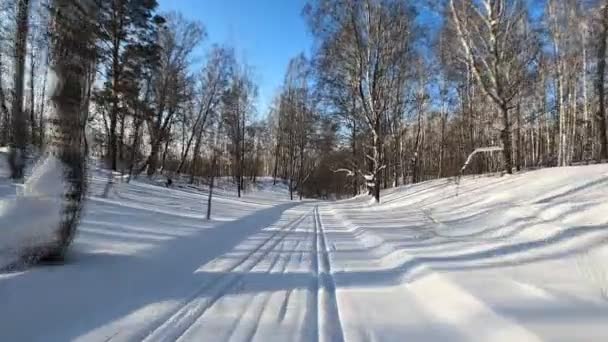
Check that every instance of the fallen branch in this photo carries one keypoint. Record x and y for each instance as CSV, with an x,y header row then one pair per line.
x,y
479,150
349,173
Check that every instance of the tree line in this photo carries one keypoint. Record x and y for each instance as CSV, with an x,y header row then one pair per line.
x,y
391,92
417,87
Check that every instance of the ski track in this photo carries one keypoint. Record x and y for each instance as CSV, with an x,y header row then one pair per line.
x,y
323,323
247,324
258,308
328,314
190,311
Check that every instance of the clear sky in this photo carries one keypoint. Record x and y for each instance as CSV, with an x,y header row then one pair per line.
x,y
265,33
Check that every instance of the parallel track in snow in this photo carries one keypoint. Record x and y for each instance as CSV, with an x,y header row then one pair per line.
x,y
329,326
189,311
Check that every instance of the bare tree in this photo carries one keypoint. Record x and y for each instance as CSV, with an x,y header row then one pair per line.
x,y
171,84
359,37
495,46
238,102
211,84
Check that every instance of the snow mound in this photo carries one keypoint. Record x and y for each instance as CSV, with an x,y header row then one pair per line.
x,y
28,218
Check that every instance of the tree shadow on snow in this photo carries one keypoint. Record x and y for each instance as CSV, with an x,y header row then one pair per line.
x,y
95,288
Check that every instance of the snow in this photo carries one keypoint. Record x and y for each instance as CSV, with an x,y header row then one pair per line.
x,y
31,215
515,258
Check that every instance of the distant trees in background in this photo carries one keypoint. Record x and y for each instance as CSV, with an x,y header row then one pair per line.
x,y
393,92
449,77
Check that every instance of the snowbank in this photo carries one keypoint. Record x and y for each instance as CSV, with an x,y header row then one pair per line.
x,y
29,218
518,257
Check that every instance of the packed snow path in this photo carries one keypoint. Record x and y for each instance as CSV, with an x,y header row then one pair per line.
x,y
518,258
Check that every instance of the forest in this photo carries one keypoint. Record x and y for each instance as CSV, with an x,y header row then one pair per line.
x,y
391,92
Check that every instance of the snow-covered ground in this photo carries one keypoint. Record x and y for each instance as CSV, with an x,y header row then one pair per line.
x,y
513,258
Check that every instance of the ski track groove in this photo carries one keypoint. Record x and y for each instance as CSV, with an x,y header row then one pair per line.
x,y
250,301
182,312
282,262
329,326
313,300
235,324
268,296
236,280
297,255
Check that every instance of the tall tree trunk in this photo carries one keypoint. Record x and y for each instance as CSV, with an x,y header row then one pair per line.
x,y
32,105
355,159
113,141
164,158
561,129
519,153
41,124
195,156
506,139
377,146
277,151
135,147
198,130
415,157
19,136
601,70
152,162
587,144
121,142
211,184
442,144
5,116
238,167
186,151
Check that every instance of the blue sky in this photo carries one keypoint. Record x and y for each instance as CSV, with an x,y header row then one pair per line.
x,y
265,33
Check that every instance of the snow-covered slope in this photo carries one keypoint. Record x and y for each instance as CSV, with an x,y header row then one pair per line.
x,y
510,258
513,258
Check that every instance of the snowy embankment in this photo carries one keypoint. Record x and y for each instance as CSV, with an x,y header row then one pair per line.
x,y
513,258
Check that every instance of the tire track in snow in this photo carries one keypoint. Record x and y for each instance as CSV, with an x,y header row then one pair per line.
x,y
329,326
189,311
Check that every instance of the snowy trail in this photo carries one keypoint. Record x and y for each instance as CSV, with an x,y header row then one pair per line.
x,y
329,327
269,296
230,280
518,258
296,250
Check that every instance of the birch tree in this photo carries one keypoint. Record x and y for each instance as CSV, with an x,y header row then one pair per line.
x,y
496,48
365,38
